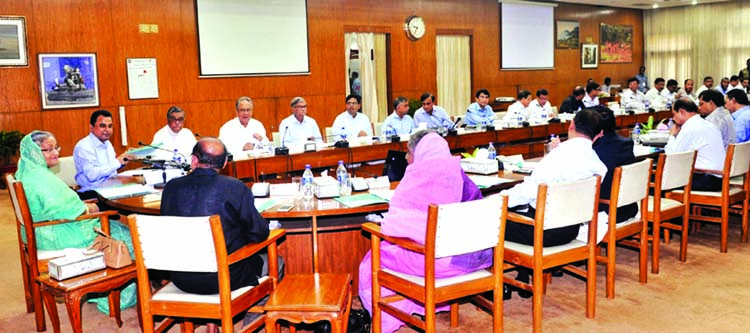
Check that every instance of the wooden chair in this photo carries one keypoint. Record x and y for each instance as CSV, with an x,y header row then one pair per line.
x,y
446,235
199,246
736,164
556,208
34,265
629,185
673,172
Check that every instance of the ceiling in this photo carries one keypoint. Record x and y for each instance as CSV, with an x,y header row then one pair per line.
x,y
641,4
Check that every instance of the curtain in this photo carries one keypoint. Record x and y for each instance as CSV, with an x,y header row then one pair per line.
x,y
366,43
453,73
697,41
381,75
349,40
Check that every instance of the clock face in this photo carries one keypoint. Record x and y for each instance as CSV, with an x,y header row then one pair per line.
x,y
414,27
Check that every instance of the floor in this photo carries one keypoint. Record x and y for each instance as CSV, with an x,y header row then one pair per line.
x,y
708,293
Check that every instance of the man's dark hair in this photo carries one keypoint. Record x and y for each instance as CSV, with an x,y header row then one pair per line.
x,y
672,83
398,100
97,113
426,96
523,94
607,80
588,122
482,91
357,97
711,95
707,78
207,159
686,81
355,75
542,92
173,109
609,125
738,95
685,104
632,79
658,80
734,78
591,86
579,92
642,67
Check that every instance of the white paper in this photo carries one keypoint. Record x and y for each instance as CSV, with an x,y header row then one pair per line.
x,y
142,79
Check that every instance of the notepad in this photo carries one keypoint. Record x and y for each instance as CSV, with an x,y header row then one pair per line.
x,y
488,181
359,200
123,191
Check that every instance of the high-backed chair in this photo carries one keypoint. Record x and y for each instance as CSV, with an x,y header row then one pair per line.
x,y
329,134
199,246
446,235
736,164
556,208
66,170
34,262
673,172
378,129
276,138
629,185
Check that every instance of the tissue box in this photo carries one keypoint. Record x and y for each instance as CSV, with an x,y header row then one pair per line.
x,y
479,165
69,266
326,188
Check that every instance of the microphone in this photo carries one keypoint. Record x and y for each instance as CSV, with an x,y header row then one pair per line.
x,y
162,164
283,150
197,135
342,143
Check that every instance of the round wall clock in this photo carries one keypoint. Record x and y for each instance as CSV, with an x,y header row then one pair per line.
x,y
414,27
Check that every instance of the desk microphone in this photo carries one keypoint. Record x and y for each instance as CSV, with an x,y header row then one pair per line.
x,y
162,164
342,143
283,150
197,135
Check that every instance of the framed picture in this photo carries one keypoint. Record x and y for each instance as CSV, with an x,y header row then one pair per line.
x,y
567,34
68,80
617,43
13,41
589,56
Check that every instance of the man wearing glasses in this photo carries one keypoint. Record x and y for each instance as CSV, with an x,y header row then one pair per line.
x,y
431,114
174,137
298,128
243,132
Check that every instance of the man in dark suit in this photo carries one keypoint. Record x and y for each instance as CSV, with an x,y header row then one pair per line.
x,y
613,150
574,102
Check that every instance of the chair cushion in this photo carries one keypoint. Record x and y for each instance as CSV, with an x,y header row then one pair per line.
x,y
732,191
171,293
529,250
737,180
632,220
442,282
665,203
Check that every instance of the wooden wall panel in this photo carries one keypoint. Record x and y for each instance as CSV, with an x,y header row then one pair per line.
x,y
110,28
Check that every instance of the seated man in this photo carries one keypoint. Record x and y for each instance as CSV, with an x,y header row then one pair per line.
x,y
671,91
243,132
174,137
431,114
691,132
519,111
574,102
711,108
399,122
723,86
298,128
94,156
592,94
708,83
351,123
734,83
737,104
687,91
479,112
605,87
632,98
658,96
541,105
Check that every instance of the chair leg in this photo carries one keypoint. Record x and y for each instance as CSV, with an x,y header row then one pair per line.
x,y
36,295
27,281
611,247
429,317
187,327
114,306
655,246
454,314
54,319
643,254
724,228
745,212
73,305
591,287
684,237
497,313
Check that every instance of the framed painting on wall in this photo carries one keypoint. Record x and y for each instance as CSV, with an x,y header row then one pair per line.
x,y
13,41
68,80
566,34
616,43
589,56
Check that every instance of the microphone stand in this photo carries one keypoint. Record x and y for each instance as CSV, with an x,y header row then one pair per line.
x,y
283,150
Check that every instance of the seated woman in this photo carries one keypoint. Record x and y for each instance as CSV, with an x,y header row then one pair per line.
x,y
50,199
433,176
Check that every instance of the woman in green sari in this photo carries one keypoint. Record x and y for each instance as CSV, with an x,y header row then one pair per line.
x,y
50,198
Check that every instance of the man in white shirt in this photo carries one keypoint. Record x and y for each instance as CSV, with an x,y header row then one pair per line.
x,y
174,137
298,128
691,132
592,94
632,98
399,121
711,108
734,83
658,96
723,87
520,109
431,114
351,123
708,83
541,105
243,132
687,91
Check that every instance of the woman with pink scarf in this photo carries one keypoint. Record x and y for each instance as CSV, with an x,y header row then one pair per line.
x,y
433,176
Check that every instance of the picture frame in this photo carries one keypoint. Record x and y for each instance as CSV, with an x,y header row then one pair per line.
x,y
616,43
589,56
567,34
68,80
13,50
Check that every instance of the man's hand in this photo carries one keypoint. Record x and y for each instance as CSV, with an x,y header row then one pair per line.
x,y
362,133
124,158
258,137
248,146
675,130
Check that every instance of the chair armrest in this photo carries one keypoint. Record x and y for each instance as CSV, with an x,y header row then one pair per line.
x,y
252,248
518,218
710,172
406,243
103,216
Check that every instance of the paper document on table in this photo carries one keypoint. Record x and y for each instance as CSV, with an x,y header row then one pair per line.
x,y
262,204
280,190
359,200
128,190
143,151
385,194
487,181
153,197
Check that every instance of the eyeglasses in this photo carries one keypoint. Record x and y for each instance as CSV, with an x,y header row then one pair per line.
x,y
244,110
58,148
301,107
176,119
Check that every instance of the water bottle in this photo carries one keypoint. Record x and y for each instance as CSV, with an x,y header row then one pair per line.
x,y
670,123
637,133
307,183
491,152
519,119
646,104
176,157
544,116
342,176
343,134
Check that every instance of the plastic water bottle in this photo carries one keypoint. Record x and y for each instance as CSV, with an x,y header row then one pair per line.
x,y
342,176
670,123
307,183
552,137
646,104
491,152
176,157
637,133
343,134
544,116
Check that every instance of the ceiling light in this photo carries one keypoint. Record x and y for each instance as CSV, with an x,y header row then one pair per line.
x,y
655,6
695,2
